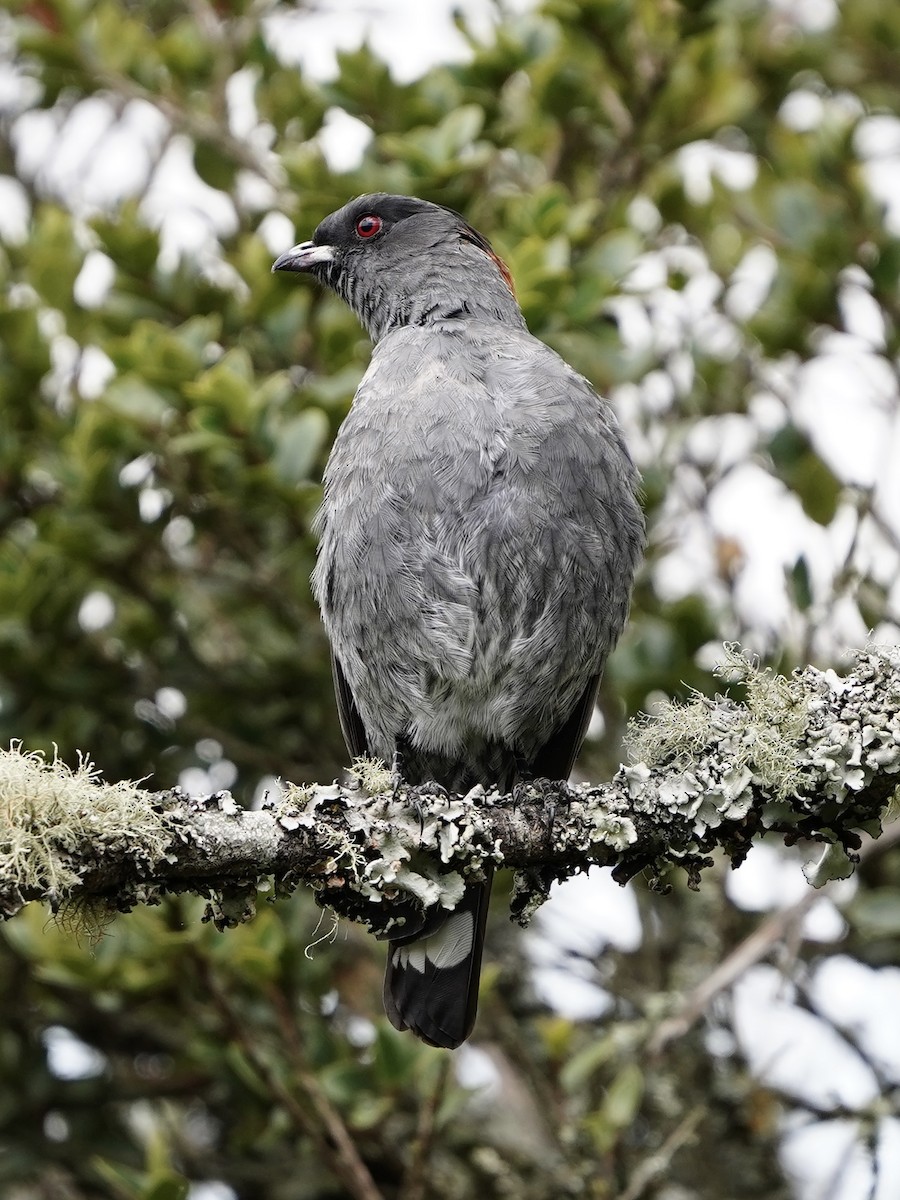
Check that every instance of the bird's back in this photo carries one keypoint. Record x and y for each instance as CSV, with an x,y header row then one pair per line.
x,y
479,535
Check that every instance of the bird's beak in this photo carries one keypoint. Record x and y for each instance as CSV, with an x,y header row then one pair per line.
x,y
303,257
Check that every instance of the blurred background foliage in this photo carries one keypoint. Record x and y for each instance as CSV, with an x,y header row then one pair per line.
x,y
687,196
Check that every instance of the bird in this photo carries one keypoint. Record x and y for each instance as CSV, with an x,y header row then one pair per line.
x,y
479,534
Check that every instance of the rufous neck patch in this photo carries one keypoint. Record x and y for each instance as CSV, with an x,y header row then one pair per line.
x,y
477,239
505,273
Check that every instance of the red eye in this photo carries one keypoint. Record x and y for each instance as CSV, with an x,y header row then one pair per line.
x,y
368,225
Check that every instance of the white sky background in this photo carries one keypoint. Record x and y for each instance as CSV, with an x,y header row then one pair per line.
x,y
846,400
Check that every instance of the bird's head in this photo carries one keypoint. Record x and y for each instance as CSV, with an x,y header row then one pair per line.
x,y
398,260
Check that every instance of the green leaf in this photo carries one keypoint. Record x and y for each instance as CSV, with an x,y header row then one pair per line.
x,y
214,166
460,127
185,50
877,912
132,246
619,1108
131,397
613,256
583,1065
394,1055
799,214
22,340
369,1111
166,1187
817,487
55,258
298,444
125,1182
623,1099
814,483
801,584
343,1082
227,386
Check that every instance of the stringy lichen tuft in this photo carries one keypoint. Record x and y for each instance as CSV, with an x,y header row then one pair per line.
x,y
759,738
372,775
55,821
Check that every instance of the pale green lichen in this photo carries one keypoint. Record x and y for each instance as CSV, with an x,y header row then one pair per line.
x,y
757,739
372,775
377,850
832,863
54,820
611,829
298,807
405,846
801,749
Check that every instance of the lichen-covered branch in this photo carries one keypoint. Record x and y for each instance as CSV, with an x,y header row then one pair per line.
x,y
811,757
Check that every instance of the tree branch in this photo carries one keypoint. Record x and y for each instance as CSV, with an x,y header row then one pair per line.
x,y
324,1124
747,953
810,757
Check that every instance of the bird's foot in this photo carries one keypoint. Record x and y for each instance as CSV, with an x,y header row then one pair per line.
x,y
524,775
552,804
397,780
524,772
396,775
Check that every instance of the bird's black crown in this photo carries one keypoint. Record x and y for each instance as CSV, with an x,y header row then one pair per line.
x,y
339,228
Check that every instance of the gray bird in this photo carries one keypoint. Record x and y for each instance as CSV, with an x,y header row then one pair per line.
x,y
479,535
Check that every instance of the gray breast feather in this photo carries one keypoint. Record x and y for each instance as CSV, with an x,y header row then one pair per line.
x,y
479,534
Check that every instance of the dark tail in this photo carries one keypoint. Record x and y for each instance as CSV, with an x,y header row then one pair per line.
x,y
431,983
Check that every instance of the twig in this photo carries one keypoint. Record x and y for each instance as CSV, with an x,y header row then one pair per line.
x,y
745,955
415,1177
752,950
651,1168
327,1128
331,1119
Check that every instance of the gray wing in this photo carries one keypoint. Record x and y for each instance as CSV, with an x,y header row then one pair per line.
x,y
557,756
351,722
